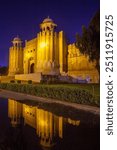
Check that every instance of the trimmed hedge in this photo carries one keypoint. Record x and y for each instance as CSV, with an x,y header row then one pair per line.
x,y
65,93
29,81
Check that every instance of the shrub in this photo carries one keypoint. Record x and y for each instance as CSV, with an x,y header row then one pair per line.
x,y
12,81
3,85
60,92
42,82
18,81
29,81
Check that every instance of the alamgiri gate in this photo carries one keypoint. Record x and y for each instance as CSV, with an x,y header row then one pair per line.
x,y
49,55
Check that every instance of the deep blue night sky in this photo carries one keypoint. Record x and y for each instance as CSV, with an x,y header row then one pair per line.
x,y
24,16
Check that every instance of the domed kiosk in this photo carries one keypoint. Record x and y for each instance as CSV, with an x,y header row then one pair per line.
x,y
17,41
47,24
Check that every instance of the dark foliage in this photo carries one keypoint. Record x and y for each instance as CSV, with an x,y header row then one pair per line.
x,y
3,70
89,42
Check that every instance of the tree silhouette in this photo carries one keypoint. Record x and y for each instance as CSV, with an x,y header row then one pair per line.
x,y
89,42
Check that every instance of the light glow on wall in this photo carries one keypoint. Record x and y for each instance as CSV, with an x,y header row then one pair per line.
x,y
43,123
43,44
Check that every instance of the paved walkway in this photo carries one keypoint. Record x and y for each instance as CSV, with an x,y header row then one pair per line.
x,y
21,96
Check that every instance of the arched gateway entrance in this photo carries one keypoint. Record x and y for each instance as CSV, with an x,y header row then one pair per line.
x,y
32,68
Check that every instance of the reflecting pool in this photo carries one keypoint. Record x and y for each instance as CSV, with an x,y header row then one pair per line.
x,y
29,125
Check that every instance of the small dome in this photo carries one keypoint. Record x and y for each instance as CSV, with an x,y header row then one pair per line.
x,y
47,20
17,39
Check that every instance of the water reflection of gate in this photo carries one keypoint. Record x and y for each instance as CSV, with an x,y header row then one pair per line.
x,y
49,127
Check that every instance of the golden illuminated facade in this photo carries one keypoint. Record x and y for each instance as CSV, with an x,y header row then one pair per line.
x,y
48,54
49,127
79,65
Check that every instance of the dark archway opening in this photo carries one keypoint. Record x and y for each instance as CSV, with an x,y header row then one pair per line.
x,y
32,68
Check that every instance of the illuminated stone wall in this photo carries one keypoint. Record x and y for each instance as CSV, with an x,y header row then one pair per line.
x,y
47,52
35,77
6,79
79,65
29,59
63,53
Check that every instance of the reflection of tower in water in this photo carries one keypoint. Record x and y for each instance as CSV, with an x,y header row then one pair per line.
x,y
49,127
15,112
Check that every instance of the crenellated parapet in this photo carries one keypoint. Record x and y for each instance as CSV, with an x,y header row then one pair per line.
x,y
78,61
79,65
